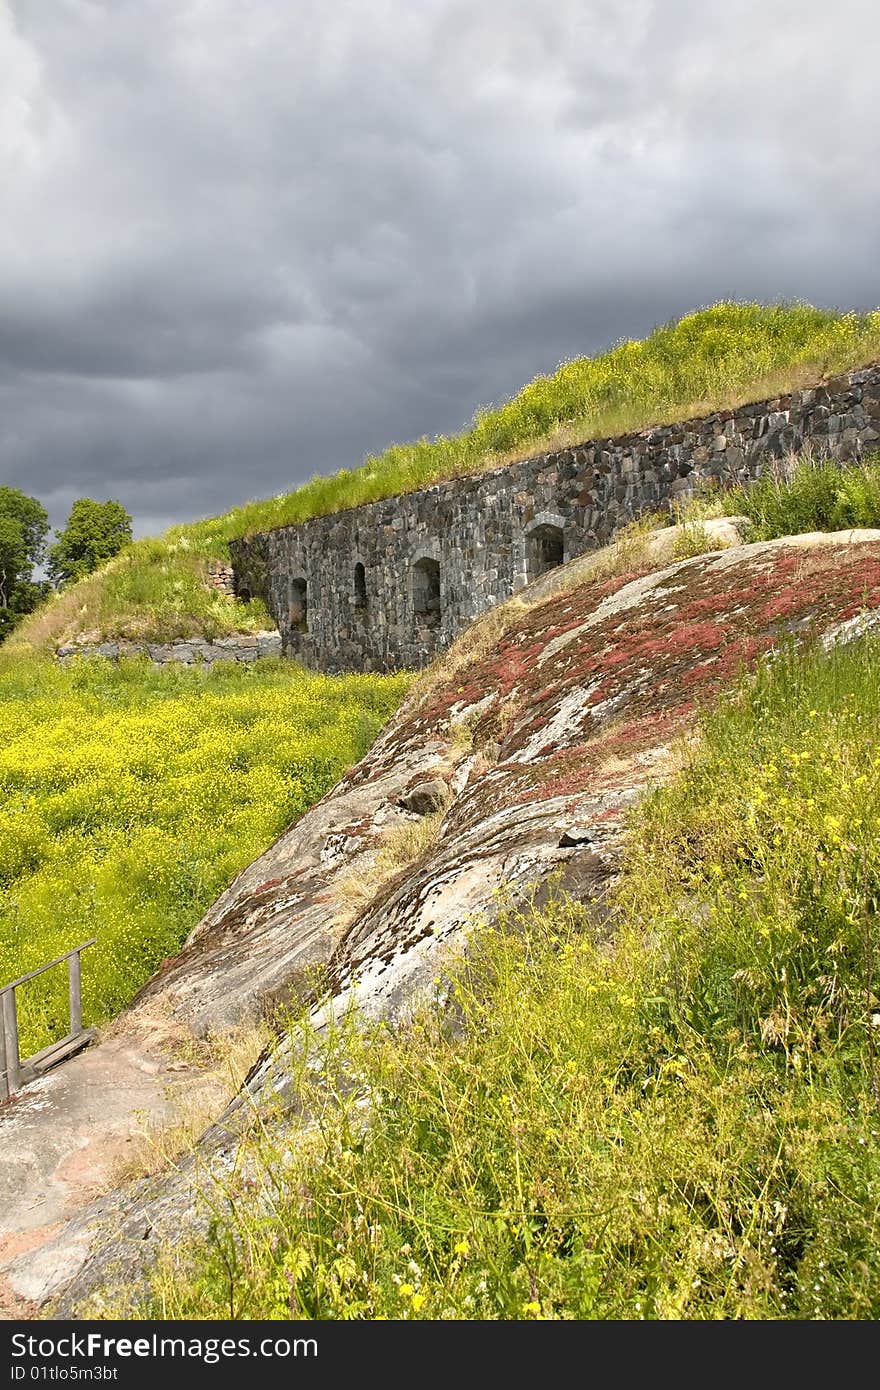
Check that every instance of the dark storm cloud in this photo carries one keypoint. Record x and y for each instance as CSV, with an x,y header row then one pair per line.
x,y
239,244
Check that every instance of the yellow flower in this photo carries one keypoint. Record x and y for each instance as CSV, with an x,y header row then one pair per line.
x,y
461,1247
406,1290
418,1301
531,1310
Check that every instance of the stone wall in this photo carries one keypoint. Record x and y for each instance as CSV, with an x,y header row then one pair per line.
x,y
221,577
433,560
186,651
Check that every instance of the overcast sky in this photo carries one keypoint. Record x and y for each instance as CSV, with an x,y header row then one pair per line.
x,y
244,242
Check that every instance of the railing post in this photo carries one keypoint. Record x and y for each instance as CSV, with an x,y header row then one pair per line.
x,y
10,1039
74,994
4,1078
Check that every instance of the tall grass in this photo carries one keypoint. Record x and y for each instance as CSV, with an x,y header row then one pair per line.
x,y
681,1125
130,796
813,496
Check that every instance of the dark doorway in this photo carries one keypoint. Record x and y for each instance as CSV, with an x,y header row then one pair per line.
x,y
545,549
426,590
360,586
299,605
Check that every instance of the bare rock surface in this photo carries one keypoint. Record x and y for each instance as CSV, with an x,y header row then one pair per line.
x,y
545,726
64,1139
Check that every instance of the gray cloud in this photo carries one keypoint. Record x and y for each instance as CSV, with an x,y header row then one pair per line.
x,y
239,244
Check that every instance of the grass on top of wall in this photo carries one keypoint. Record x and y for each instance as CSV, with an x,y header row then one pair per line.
x,y
717,357
131,796
681,1123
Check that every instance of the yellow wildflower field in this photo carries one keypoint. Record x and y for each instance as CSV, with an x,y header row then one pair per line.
x,y
130,796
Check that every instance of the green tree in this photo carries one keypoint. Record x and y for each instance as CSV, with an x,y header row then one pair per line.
x,y
24,526
95,532
13,558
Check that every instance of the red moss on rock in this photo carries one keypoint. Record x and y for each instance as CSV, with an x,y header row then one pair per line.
x,y
646,668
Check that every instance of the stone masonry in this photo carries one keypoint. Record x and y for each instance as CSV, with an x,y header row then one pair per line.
x,y
221,577
390,584
190,651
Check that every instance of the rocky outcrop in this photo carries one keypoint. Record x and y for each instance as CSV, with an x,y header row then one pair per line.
x,y
520,758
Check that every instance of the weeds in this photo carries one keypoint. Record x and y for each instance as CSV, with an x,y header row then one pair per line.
x,y
221,1063
693,538
400,846
808,495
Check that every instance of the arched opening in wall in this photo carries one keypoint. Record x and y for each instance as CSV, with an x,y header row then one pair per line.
x,y
360,586
545,549
426,590
299,605
244,594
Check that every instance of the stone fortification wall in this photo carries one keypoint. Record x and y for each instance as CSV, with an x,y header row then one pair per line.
x,y
392,583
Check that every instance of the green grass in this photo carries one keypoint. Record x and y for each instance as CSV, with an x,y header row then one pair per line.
x,y
815,496
717,357
156,590
682,1126
130,796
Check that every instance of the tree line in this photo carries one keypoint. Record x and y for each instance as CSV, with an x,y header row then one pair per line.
x,y
95,532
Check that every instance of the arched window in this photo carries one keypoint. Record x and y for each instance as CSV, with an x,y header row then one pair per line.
x,y
244,594
545,549
299,605
426,590
360,586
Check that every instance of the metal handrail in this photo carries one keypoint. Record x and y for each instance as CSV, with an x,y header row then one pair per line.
x,y
16,1071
